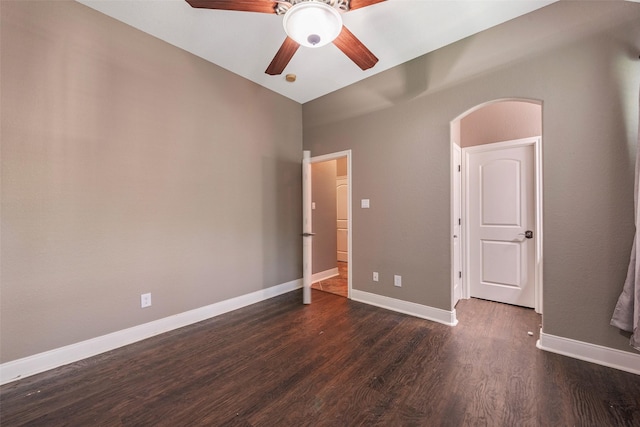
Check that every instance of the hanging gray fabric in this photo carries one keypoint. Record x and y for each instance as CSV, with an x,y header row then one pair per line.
x,y
627,312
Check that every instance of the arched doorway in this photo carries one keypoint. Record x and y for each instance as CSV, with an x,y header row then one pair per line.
x,y
496,128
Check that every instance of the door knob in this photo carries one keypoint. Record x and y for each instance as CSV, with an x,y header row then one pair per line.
x,y
527,234
308,234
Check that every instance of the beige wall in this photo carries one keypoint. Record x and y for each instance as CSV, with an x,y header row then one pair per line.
x,y
501,121
130,166
399,132
341,166
324,216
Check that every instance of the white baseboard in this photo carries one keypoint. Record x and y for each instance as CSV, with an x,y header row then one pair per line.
x,y
324,275
31,365
612,358
406,307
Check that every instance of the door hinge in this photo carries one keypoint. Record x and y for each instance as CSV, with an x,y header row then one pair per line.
x,y
458,168
460,274
459,221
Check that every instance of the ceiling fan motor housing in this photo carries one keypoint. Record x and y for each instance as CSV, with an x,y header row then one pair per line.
x,y
312,23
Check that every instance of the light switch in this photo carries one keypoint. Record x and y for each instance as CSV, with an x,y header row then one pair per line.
x,y
364,203
397,280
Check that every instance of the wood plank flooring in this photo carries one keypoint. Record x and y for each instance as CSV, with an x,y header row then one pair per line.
x,y
334,363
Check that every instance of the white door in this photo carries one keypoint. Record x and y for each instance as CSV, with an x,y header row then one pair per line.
x,y
342,219
307,235
457,224
501,220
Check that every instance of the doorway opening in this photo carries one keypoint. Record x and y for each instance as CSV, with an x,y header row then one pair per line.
x,y
496,203
331,223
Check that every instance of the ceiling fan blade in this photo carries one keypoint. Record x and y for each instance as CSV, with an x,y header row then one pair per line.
x,y
261,6
355,50
283,56
357,4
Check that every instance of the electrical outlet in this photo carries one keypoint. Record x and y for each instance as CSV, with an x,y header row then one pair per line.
x,y
397,280
145,300
375,276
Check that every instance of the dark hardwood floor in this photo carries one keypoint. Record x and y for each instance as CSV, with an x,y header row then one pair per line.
x,y
333,363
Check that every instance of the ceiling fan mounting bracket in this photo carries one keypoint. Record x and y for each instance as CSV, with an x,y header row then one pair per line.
x,y
282,7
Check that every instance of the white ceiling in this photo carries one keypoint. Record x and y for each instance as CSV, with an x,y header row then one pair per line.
x,y
244,43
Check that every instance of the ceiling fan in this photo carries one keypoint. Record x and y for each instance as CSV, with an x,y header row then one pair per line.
x,y
310,23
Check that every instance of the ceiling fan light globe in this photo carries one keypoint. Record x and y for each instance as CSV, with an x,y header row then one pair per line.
x,y
312,23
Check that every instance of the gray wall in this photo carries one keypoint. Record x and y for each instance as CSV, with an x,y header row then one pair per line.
x,y
324,216
581,60
130,166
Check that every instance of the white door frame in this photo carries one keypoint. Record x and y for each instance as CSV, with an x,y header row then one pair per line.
x,y
537,147
456,184
307,229
335,156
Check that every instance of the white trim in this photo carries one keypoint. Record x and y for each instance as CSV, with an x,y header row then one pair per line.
x,y
539,224
307,228
406,307
605,356
37,363
332,156
466,286
521,142
335,156
456,181
324,275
